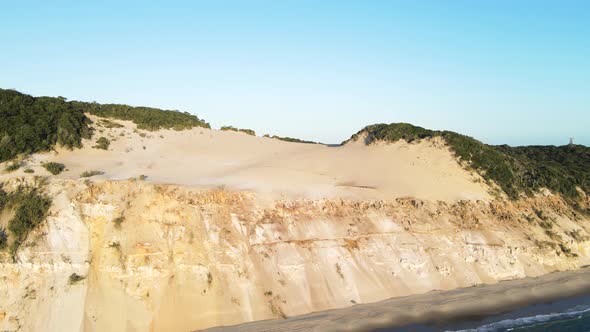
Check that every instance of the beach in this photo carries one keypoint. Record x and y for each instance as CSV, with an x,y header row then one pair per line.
x,y
472,303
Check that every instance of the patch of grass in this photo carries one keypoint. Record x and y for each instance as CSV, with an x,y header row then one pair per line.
x,y
540,214
102,143
54,168
575,234
88,174
109,124
546,224
75,278
339,270
516,170
115,245
209,278
118,222
13,166
551,234
29,171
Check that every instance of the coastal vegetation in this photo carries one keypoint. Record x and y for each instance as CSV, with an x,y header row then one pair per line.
x,y
33,124
13,166
147,118
75,278
29,124
290,139
118,222
3,238
102,143
516,170
109,124
246,131
230,128
87,174
30,207
54,168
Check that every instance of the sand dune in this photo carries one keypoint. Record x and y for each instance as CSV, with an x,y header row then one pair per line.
x,y
209,158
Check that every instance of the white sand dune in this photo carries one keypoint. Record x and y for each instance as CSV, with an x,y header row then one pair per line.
x,y
203,157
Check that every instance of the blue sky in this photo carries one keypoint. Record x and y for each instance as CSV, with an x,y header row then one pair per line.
x,y
515,72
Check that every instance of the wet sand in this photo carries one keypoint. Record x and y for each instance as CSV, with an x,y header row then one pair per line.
x,y
459,304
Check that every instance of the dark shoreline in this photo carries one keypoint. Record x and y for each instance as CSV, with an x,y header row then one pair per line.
x,y
467,322
436,308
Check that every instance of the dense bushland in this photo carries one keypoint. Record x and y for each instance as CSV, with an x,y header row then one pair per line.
x,y
515,170
33,124
147,118
29,124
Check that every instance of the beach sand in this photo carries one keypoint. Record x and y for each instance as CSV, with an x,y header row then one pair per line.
x,y
462,303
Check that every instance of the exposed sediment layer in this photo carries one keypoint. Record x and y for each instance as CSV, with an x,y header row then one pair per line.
x,y
186,259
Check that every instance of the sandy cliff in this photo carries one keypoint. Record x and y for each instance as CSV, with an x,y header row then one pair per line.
x,y
186,259
229,228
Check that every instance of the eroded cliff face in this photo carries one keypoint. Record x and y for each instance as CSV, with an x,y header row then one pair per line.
x,y
181,259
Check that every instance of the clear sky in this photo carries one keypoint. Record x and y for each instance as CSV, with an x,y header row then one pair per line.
x,y
515,72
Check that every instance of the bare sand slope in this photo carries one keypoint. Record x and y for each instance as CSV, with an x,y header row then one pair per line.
x,y
209,158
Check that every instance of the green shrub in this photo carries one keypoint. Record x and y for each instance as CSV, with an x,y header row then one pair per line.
x,y
3,199
31,211
246,131
29,171
516,170
102,143
54,168
13,166
3,238
75,278
293,140
115,245
88,174
118,222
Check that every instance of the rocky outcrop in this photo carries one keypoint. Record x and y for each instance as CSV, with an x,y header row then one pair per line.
x,y
184,259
